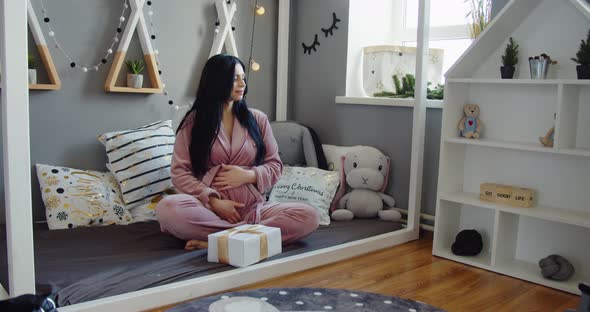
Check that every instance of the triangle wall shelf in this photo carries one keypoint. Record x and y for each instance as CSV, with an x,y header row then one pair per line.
x,y
54,81
137,22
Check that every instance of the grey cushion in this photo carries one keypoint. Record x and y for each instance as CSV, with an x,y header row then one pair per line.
x,y
298,145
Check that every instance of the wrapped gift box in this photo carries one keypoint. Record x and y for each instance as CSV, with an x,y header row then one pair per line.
x,y
244,244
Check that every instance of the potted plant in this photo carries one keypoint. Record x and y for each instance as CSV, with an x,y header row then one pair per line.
x,y
583,59
32,69
134,79
509,60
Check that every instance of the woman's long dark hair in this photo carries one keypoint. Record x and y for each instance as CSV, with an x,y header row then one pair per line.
x,y
215,89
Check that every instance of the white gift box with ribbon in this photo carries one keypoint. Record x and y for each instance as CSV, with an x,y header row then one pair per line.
x,y
244,245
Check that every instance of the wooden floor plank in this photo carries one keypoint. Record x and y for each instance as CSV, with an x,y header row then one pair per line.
x,y
410,271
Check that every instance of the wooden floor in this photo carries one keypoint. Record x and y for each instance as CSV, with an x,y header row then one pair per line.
x,y
410,271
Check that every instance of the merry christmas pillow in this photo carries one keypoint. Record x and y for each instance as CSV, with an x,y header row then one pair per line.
x,y
308,185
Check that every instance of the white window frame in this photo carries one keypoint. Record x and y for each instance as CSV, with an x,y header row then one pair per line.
x,y
450,32
399,34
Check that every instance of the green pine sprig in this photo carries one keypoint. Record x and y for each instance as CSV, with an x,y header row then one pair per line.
x,y
583,55
510,57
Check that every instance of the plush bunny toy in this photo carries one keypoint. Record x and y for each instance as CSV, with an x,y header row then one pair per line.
x,y
366,171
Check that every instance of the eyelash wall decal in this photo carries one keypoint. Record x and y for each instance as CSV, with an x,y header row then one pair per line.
x,y
331,29
307,49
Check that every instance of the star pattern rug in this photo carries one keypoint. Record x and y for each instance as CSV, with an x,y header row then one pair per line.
x,y
303,299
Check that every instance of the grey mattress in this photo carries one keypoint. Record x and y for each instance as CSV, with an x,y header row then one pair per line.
x,y
84,264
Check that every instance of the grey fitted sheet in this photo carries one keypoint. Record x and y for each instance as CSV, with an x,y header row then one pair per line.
x,y
84,264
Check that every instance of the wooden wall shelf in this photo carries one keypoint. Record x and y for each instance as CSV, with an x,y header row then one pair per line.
x,y
43,86
133,90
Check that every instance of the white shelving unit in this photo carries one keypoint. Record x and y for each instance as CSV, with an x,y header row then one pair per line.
x,y
515,113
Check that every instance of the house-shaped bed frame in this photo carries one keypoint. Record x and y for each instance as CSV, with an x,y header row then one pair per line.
x,y
17,180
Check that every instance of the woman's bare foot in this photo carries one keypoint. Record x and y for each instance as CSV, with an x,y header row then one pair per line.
x,y
196,244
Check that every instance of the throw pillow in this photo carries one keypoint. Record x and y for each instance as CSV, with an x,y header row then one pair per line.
x,y
75,198
309,185
140,159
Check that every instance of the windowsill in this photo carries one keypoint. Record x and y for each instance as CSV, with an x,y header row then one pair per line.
x,y
385,101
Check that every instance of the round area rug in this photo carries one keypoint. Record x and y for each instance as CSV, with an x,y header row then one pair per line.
x,y
303,299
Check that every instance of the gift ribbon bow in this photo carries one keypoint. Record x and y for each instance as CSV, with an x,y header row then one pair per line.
x,y
223,242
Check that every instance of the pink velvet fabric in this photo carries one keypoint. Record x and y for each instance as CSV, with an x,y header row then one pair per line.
x,y
187,215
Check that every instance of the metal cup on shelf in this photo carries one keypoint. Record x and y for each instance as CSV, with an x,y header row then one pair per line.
x,y
539,68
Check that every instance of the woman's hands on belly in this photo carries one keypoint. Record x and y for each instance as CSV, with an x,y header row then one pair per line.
x,y
226,209
230,176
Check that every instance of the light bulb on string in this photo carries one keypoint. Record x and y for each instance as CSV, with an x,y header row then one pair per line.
x,y
260,10
254,65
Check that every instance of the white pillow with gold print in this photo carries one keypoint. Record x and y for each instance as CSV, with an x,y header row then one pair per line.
x,y
75,198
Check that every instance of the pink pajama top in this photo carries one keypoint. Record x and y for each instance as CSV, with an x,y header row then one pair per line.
x,y
240,152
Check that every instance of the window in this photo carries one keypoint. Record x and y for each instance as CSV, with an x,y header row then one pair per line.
x,y
394,22
448,27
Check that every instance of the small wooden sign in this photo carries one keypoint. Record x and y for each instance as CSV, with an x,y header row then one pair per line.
x,y
507,195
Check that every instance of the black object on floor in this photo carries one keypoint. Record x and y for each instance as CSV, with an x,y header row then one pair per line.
x,y
467,243
28,303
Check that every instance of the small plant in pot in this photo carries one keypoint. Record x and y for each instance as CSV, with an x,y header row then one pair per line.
x,y
32,69
509,60
134,78
583,59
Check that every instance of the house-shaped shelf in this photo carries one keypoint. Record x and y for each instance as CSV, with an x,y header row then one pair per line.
x,y
514,114
137,22
538,26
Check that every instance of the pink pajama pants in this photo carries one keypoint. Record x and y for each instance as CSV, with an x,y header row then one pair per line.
x,y
185,217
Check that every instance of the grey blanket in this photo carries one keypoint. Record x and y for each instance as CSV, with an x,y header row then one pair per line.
x,y
84,264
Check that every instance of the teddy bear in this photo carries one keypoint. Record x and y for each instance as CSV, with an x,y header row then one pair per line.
x,y
470,125
365,171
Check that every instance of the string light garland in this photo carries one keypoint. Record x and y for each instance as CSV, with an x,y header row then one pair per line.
x,y
259,10
74,63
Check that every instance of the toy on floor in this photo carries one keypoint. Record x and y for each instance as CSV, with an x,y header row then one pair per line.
x,y
470,125
584,305
556,267
467,243
365,170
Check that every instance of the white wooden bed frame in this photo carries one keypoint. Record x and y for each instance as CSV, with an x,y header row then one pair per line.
x,y
17,180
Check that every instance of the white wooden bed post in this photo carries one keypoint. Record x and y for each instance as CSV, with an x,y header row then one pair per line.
x,y
15,130
225,35
283,60
419,120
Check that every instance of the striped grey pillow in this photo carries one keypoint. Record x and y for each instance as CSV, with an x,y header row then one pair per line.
x,y
140,160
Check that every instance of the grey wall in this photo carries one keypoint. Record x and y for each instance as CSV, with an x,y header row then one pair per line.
x,y
498,5
64,124
317,78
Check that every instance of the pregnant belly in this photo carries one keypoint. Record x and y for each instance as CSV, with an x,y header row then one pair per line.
x,y
242,194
